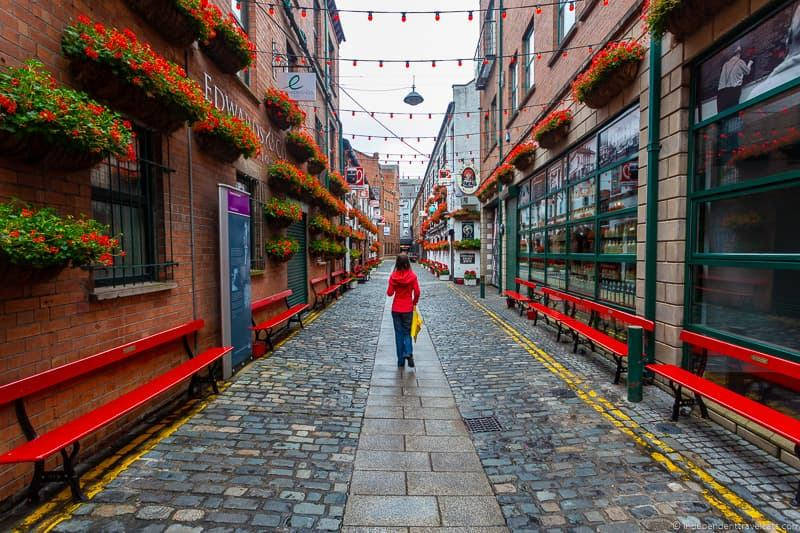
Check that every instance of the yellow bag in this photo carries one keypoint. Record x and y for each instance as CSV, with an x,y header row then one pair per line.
x,y
416,324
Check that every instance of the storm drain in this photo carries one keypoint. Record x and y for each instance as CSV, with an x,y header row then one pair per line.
x,y
482,424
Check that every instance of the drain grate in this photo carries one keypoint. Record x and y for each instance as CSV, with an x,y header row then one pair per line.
x,y
482,424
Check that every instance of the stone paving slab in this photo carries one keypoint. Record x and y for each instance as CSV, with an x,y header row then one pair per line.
x,y
392,511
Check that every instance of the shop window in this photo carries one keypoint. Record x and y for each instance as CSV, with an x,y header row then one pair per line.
x,y
537,269
524,220
557,207
619,141
524,195
744,249
583,160
537,242
538,211
618,187
582,202
557,240
618,283
582,239
618,236
557,273
581,277
130,196
524,268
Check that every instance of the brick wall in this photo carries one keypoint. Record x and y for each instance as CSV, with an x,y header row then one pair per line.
x,y
43,325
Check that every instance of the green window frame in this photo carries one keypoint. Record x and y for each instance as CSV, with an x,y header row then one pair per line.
x,y
591,272
743,280
529,55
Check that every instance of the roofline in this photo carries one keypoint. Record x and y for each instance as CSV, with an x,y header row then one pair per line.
x,y
337,23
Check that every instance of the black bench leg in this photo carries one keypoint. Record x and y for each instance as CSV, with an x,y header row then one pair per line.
x,y
212,380
618,375
36,482
558,337
676,407
702,404
796,500
535,318
69,472
300,320
574,342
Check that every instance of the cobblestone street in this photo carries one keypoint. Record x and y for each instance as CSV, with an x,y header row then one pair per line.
x,y
327,434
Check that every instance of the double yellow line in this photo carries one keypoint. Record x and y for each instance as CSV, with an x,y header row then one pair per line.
x,y
733,507
60,508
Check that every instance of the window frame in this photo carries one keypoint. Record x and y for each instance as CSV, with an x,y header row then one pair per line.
x,y
561,31
529,53
513,84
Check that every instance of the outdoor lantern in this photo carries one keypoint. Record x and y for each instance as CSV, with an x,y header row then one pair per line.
x,y
413,98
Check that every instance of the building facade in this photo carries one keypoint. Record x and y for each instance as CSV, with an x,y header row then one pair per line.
x,y
390,208
672,199
163,204
408,195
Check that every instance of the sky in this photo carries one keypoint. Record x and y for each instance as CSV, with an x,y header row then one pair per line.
x,y
383,89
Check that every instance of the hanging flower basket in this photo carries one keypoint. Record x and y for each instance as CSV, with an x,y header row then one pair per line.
x,y
337,183
553,129
487,189
320,225
226,137
281,249
114,66
317,163
282,111
505,173
612,69
301,146
229,47
55,126
680,17
522,155
38,244
282,213
180,22
285,178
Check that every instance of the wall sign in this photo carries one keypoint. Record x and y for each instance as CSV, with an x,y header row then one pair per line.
x,y
468,181
234,258
467,230
300,86
467,259
355,176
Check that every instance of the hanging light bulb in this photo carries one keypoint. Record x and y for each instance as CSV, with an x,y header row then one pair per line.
x,y
538,10
433,64
410,116
470,17
303,12
369,16
503,14
391,115
271,9
353,113
460,63
429,116
355,63
437,16
380,63
408,64
403,17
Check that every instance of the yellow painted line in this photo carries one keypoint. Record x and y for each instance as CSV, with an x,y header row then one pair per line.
x,y
42,520
728,502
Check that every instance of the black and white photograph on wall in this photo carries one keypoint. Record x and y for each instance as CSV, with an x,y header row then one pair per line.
x,y
761,60
468,230
620,140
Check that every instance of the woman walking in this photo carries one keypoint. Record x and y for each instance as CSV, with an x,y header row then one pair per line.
x,y
403,285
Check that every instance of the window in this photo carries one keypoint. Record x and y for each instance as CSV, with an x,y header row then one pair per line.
x,y
129,197
529,55
330,65
566,18
317,29
332,144
292,60
257,199
742,240
319,132
491,139
581,234
489,29
513,84
240,13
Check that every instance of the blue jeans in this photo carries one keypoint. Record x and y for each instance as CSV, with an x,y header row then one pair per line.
x,y
402,335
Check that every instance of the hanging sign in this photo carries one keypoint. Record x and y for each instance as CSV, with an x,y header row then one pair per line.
x,y
300,86
444,177
468,181
234,258
355,176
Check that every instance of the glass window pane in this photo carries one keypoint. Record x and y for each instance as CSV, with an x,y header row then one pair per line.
x,y
582,160
538,186
537,242
581,277
582,201
557,240
618,236
759,304
765,222
523,242
620,140
523,270
582,238
555,176
556,273
524,219
557,207
618,187
537,270
760,141
618,283
538,218
524,192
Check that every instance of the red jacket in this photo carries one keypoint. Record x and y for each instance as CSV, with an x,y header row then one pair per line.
x,y
401,285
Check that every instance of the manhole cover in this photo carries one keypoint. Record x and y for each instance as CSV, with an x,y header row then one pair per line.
x,y
482,424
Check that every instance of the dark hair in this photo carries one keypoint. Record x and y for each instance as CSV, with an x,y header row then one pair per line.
x,y
402,263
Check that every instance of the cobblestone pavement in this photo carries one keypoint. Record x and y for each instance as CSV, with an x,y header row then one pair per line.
x,y
558,463
273,452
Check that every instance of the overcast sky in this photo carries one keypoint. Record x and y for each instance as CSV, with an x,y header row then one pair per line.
x,y
383,89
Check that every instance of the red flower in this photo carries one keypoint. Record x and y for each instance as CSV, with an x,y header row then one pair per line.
x,y
26,213
91,52
83,19
13,233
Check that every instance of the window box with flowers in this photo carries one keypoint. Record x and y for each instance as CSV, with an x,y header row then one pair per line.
x,y
301,146
522,155
611,70
466,213
36,245
229,46
505,173
226,137
680,17
281,249
444,274
553,129
116,67
470,278
282,213
317,163
55,126
282,111
467,244
180,22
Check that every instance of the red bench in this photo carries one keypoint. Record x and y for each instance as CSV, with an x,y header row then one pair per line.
x,y
585,333
341,284
267,327
522,301
322,296
762,363
39,447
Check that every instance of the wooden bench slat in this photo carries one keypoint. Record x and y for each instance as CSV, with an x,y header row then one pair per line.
x,y
753,357
281,318
51,442
269,300
773,420
60,374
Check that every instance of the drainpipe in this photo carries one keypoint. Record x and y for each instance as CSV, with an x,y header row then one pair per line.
x,y
651,222
500,186
191,203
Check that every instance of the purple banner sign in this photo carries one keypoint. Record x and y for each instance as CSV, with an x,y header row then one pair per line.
x,y
238,203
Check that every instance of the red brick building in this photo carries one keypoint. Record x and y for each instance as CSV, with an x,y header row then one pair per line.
x,y
164,205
